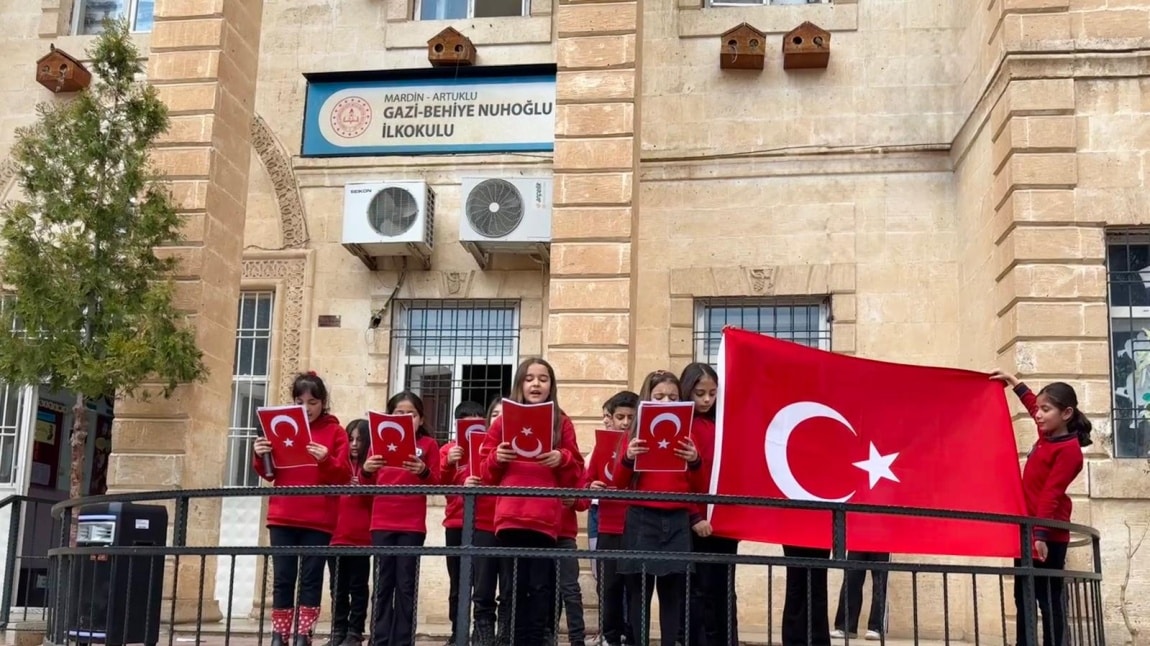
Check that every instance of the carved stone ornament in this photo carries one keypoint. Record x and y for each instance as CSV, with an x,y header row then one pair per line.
x,y
762,280
456,282
7,178
277,162
290,272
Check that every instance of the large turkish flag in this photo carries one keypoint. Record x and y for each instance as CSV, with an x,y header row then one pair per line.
x,y
803,424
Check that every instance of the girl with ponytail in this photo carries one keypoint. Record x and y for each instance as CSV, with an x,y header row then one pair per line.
x,y
1053,463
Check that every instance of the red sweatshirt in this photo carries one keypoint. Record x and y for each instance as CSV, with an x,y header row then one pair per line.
x,y
689,481
569,523
405,513
1053,463
311,512
542,515
353,523
703,434
457,475
612,513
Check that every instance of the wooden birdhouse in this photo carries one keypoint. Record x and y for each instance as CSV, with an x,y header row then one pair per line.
x,y
59,72
449,47
742,48
807,46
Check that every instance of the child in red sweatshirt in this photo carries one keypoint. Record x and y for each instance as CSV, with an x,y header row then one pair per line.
x,y
1053,463
522,522
714,583
620,413
304,521
350,574
400,521
455,470
659,526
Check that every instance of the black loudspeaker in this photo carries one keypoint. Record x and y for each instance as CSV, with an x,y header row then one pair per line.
x,y
115,599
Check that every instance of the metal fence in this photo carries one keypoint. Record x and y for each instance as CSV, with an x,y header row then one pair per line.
x,y
32,530
946,601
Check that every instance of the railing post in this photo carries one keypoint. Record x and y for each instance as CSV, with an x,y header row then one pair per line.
x,y
463,609
1099,623
1029,596
10,561
839,534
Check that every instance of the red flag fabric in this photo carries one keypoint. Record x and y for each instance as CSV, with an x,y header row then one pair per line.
x,y
463,430
392,437
287,428
662,425
608,442
528,427
803,424
474,443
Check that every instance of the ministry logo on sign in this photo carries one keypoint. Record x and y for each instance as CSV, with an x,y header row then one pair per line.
x,y
351,117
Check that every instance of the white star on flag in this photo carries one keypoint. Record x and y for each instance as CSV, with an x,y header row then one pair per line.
x,y
287,442
664,444
526,431
877,466
392,447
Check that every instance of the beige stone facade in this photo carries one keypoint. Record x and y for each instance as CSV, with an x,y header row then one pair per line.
x,y
948,192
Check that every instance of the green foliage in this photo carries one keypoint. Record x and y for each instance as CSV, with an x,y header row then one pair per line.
x,y
90,305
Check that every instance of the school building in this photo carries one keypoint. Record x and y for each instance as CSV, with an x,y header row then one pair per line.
x,y
417,193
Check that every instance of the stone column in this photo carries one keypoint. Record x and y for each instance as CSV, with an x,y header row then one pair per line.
x,y
203,60
590,328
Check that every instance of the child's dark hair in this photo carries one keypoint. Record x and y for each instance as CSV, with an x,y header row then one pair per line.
x,y
1062,396
469,409
689,380
621,399
358,426
656,378
416,402
495,401
309,383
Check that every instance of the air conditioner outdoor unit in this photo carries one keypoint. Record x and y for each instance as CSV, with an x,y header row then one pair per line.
x,y
384,219
505,215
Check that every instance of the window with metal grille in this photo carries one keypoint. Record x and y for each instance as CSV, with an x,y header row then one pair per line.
x,y
461,9
90,14
249,384
1128,287
12,399
452,351
744,3
805,321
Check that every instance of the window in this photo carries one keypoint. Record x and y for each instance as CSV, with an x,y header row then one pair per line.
x,y
1128,278
249,384
744,3
10,409
463,9
90,14
449,352
803,321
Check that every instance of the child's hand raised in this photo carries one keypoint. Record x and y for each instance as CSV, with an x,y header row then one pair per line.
x,y
636,448
1006,378
414,465
373,463
261,447
550,459
687,451
455,455
317,451
504,453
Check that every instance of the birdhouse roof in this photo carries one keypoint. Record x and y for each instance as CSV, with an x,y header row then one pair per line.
x,y
809,27
448,33
59,53
744,27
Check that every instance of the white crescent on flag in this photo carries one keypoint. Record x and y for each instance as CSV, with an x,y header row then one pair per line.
x,y
283,419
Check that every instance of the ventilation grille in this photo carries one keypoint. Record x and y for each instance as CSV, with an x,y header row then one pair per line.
x,y
494,208
392,211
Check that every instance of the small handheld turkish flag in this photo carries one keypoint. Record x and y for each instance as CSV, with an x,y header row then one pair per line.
x,y
528,428
287,428
663,426
392,437
608,443
474,444
463,430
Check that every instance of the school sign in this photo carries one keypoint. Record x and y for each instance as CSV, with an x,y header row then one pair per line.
x,y
433,111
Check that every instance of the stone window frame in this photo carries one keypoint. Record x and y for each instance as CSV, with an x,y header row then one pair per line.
x,y
698,19
403,31
1125,319
836,281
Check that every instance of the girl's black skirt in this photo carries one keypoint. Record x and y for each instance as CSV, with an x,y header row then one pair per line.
x,y
649,529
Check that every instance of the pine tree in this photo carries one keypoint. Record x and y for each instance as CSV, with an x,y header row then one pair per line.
x,y
88,305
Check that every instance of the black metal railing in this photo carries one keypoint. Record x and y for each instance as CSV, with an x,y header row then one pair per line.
x,y
942,600
32,530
